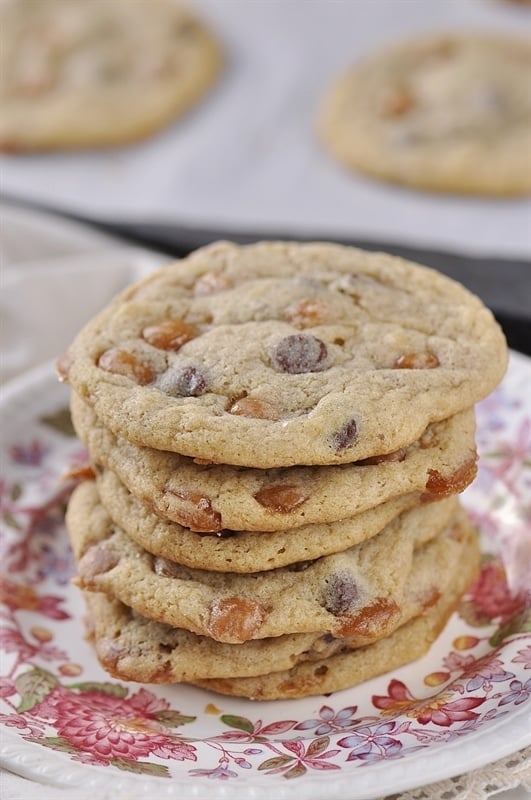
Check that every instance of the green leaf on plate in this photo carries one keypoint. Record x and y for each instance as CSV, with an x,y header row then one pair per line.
x,y
113,689
141,767
276,763
521,623
33,687
173,719
241,723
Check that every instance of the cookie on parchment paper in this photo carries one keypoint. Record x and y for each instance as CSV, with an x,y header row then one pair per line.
x,y
443,112
97,73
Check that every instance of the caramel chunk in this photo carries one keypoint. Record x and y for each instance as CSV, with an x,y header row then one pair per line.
x,y
169,334
255,408
425,360
195,512
306,313
282,497
168,569
396,455
212,282
398,102
62,366
456,482
235,619
121,362
97,560
299,353
369,621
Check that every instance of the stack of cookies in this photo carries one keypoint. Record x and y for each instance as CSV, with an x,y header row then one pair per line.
x,y
278,434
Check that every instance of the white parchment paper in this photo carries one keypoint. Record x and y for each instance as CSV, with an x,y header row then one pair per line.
x,y
247,158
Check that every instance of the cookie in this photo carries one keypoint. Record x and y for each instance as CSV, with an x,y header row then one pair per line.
x,y
339,594
449,113
280,354
133,648
210,498
78,74
243,551
344,670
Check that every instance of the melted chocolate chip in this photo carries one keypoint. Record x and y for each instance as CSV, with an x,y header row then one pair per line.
x,y
299,353
341,594
345,436
184,382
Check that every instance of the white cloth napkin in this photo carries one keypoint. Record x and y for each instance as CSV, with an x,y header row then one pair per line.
x,y
55,275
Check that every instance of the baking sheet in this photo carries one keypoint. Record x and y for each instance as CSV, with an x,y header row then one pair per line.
x,y
247,158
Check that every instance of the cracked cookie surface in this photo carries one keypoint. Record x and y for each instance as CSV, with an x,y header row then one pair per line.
x,y
131,647
211,498
279,354
353,594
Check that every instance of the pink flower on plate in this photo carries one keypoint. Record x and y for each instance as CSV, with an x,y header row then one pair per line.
x,y
109,727
490,595
28,455
17,596
523,657
439,710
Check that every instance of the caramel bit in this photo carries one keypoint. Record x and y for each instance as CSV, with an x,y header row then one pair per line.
x,y
79,472
235,619
195,512
169,569
97,560
169,334
371,621
62,366
212,282
430,598
121,362
426,360
345,436
396,455
299,353
254,408
398,102
282,498
306,313
456,482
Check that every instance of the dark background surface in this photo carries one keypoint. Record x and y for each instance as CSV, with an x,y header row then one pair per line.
x,y
503,284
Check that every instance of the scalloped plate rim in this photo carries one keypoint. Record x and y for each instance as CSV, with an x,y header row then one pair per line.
x,y
30,761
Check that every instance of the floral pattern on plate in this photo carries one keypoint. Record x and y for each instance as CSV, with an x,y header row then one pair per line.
x,y
55,695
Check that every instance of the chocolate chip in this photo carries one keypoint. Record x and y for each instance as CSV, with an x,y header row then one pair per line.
x,y
341,593
299,353
184,382
345,436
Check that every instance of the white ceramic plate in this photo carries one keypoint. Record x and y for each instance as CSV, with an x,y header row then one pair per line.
x,y
65,722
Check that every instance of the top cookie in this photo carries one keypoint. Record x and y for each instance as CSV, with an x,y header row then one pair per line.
x,y
279,354
446,113
90,73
